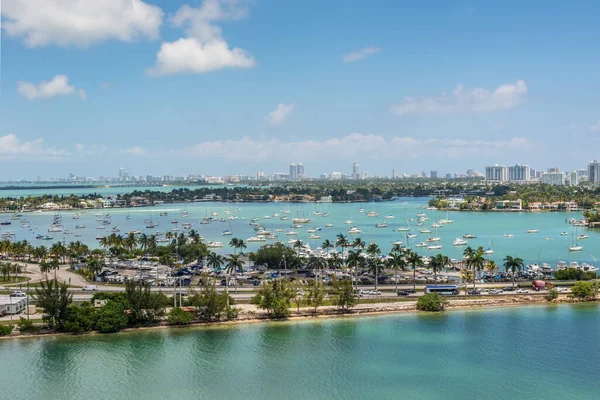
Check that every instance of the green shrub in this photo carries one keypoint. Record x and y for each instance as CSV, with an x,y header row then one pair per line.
x,y
27,326
179,317
80,319
111,318
431,302
574,274
584,290
552,295
276,298
5,330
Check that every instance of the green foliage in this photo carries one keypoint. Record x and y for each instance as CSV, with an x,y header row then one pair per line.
x,y
27,326
144,306
118,297
552,295
210,304
54,298
584,290
275,297
272,256
80,319
179,317
431,302
315,295
5,330
111,318
342,294
574,274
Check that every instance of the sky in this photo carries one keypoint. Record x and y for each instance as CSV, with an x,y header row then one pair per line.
x,y
218,87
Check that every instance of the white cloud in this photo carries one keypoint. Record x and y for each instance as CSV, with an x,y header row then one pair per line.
x,y
90,149
360,54
12,148
595,127
355,145
134,152
278,116
463,100
203,49
79,22
57,86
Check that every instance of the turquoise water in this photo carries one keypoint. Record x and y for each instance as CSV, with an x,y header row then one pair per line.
x,y
489,227
527,353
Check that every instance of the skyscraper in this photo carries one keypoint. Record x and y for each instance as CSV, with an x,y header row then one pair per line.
x,y
496,173
519,173
293,172
594,172
299,171
356,171
394,173
433,174
121,174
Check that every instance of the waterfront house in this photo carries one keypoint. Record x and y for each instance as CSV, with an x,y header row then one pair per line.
x,y
516,205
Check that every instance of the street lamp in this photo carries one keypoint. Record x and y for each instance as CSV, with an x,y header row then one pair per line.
x,y
539,252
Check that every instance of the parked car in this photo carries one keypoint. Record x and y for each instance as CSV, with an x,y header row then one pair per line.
x,y
410,291
508,289
402,293
91,288
562,289
522,291
18,293
375,293
484,290
474,292
364,292
496,291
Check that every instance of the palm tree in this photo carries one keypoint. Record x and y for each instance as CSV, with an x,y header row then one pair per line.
x,y
358,243
397,248
194,236
355,260
234,242
45,267
316,263
327,245
437,263
334,261
342,241
130,242
513,264
491,266
214,260
395,261
233,263
414,260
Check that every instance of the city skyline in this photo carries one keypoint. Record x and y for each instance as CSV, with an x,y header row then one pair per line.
x,y
146,84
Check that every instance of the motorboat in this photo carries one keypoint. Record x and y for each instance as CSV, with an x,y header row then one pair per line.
x,y
422,244
398,242
402,229
291,233
381,225
328,225
255,239
469,236
79,226
582,236
509,235
532,231
214,244
434,247
460,242
372,214
354,230
564,234
389,217
348,222
314,237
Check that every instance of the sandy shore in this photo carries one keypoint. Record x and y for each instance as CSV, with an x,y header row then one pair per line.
x,y
250,314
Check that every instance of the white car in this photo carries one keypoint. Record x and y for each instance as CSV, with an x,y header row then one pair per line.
x,y
364,292
496,291
522,291
562,289
18,293
375,293
92,288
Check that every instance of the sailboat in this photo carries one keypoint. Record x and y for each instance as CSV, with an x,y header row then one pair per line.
x,y
373,213
489,250
446,221
575,246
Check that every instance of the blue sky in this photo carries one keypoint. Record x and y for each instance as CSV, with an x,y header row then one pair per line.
x,y
233,86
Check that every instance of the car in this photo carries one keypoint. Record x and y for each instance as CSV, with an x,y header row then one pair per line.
x,y
484,290
364,292
474,292
375,293
402,293
91,288
410,291
508,289
522,291
18,293
562,289
496,291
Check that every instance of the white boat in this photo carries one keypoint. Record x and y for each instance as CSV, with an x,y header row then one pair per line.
x,y
291,233
311,230
300,220
381,225
434,247
422,244
411,236
372,214
398,242
561,265
509,235
348,222
588,268
436,225
314,237
433,239
564,234
425,230
575,247
460,242
389,217
403,229
284,218
328,225
354,230
55,229
532,231
582,236
256,239
361,210
226,232
79,226
214,244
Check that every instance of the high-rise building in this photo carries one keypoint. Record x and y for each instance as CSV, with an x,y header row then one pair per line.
x,y
121,174
594,172
394,173
299,171
519,173
573,178
448,176
433,174
553,178
293,172
496,173
356,171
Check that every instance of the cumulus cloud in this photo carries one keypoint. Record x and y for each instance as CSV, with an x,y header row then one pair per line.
x,y
203,49
11,147
80,22
360,54
278,116
595,127
355,145
464,100
57,86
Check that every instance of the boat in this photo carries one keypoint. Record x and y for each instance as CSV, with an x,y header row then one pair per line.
x,y
313,237
411,235
561,265
469,236
68,232
588,267
255,239
226,232
509,235
460,242
311,230
162,240
348,222
434,247
5,223
99,237
55,228
532,231
214,244
354,230
582,236
164,214
25,225
100,227
389,217
381,225
291,233
372,214
403,229
361,210
328,225
436,225
115,229
128,217
489,250
75,216
397,242
46,237
564,234
284,218
425,230
575,246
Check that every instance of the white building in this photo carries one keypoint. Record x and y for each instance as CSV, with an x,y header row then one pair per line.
x,y
594,172
496,173
12,305
553,178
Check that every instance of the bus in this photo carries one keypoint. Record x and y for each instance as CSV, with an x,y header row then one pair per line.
x,y
448,290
